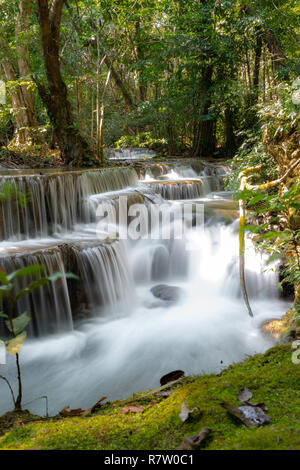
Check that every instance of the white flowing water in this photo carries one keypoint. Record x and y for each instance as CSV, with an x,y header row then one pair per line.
x,y
129,153
131,338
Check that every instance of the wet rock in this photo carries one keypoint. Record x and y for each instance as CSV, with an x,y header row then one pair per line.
x,y
167,293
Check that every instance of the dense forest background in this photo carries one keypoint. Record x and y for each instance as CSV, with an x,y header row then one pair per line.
x,y
197,77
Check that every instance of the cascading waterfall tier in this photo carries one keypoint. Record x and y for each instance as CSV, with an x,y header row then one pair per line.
x,y
178,189
129,153
106,276
105,281
49,306
39,205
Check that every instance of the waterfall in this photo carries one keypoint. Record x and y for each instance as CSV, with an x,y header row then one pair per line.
x,y
129,153
112,198
178,189
39,205
214,174
49,306
106,275
108,333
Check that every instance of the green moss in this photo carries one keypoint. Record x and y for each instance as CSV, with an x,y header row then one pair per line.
x,y
272,378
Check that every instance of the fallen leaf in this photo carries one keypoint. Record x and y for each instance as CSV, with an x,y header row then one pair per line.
x,y
96,405
77,412
255,414
194,442
185,412
245,395
260,405
131,409
248,415
171,376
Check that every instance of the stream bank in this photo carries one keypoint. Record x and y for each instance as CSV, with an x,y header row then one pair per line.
x,y
272,377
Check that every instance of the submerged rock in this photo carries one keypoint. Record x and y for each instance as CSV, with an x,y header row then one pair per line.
x,y
167,293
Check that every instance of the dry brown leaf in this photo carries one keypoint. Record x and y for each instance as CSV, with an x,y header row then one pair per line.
x,y
194,442
131,409
260,405
80,412
77,412
245,395
94,407
248,415
185,412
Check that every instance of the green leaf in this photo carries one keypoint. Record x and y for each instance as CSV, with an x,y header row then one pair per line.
x,y
279,285
27,271
244,195
4,289
274,257
257,198
19,323
3,277
31,287
3,315
58,275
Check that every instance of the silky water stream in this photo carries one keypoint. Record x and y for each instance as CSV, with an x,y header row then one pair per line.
x,y
128,338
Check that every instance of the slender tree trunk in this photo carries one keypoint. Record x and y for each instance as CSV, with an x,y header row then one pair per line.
x,y
73,147
277,56
230,143
140,57
120,83
257,58
18,404
92,116
100,145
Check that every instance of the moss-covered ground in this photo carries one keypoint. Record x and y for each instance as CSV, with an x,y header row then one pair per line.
x,y
272,378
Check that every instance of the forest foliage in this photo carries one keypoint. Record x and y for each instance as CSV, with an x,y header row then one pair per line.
x,y
193,77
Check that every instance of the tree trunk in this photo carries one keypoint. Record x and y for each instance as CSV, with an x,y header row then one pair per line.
x,y
204,143
73,147
22,25
204,137
257,58
22,97
22,124
140,57
230,144
119,83
277,56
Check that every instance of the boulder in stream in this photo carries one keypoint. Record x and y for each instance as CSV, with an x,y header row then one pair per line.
x,y
167,293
